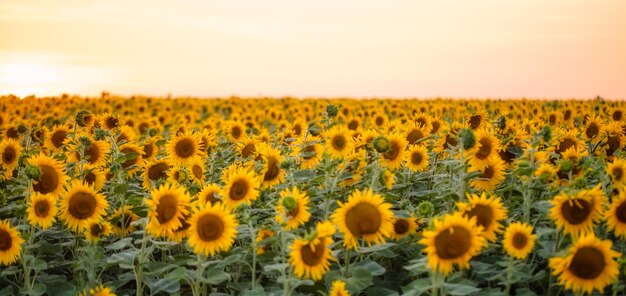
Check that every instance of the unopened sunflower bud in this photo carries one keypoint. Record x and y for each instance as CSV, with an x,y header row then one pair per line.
x,y
84,141
82,118
546,133
566,166
100,134
286,164
311,235
22,129
33,172
381,144
290,203
315,130
152,132
580,182
467,138
426,209
331,110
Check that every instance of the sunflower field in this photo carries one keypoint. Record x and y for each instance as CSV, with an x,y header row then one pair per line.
x,y
146,196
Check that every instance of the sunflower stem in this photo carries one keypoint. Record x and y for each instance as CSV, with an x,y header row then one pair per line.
x,y
253,233
346,260
509,277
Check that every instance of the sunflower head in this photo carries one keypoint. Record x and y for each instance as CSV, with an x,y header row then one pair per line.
x,y
576,214
403,227
184,147
519,240
10,243
96,230
167,206
338,288
293,208
488,212
241,186
212,229
616,215
589,265
52,176
42,210
311,256
365,215
82,204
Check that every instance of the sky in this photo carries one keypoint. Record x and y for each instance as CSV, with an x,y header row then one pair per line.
x,y
348,48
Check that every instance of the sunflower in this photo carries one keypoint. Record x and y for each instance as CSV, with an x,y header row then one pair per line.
x,y
154,171
94,154
338,288
126,135
417,158
133,157
403,227
209,194
213,229
96,230
589,265
293,208
10,150
547,173
121,221
617,172
81,204
241,186
477,120
10,243
52,176
196,170
354,164
616,215
109,121
593,128
491,175
94,177
262,245
576,214
311,256
566,140
308,150
98,291
272,173
365,215
414,132
150,149
339,142
395,155
183,148
166,206
42,210
247,148
519,240
455,239
488,211
485,149
235,131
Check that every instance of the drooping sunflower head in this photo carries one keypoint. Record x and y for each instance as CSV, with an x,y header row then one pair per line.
x,y
262,245
196,170
241,186
417,158
395,154
454,240
213,229
339,142
491,174
155,171
184,147
576,214
121,221
94,176
589,265
519,240
42,210
293,208
365,215
82,204
96,230
616,215
167,205
403,227
10,243
488,211
52,176
593,128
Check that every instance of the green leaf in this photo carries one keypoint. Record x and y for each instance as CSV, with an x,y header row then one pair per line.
x,y
459,289
256,291
163,285
374,268
215,276
120,244
416,287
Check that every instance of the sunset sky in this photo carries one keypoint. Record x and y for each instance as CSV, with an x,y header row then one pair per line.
x,y
478,48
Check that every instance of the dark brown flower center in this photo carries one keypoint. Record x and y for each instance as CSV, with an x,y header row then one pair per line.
x,y
185,148
475,121
210,227
148,150
576,211
353,124
5,240
620,212
129,162
485,149
82,205
592,130
393,152
90,178
158,171
618,173
238,190
58,137
167,208
96,230
401,226
236,132
49,180
453,243
416,158
488,173
565,144
483,214
363,219
197,171
313,258
42,208
588,263
338,142
414,135
248,150
272,169
520,240
8,156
